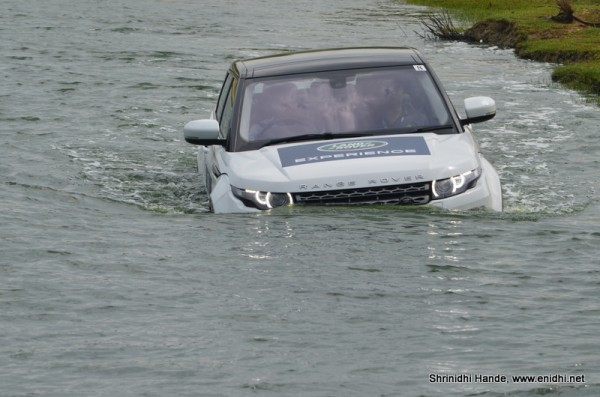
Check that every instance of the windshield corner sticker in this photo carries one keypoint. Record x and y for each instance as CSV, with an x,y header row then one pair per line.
x,y
420,68
352,149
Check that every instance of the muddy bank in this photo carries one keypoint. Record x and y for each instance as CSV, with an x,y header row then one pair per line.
x,y
501,33
506,34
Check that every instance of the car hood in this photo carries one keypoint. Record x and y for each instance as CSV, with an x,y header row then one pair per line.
x,y
358,162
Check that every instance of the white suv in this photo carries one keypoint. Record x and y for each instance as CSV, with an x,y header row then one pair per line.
x,y
342,127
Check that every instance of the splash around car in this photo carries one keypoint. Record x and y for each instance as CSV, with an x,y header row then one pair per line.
x,y
350,126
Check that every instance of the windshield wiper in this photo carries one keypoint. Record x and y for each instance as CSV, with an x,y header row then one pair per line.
x,y
432,128
313,136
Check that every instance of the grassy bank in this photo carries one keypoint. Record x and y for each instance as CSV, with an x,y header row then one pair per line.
x,y
528,26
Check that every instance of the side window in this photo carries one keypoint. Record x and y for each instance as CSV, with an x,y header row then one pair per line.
x,y
226,105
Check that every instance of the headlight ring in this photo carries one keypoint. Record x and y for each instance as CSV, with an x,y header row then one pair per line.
x,y
262,200
457,184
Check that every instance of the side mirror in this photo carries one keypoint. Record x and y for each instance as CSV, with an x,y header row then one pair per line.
x,y
203,132
479,109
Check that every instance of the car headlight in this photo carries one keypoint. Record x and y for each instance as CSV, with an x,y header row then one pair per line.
x,y
262,200
455,185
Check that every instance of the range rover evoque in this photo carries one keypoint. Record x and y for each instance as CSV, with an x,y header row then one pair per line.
x,y
348,126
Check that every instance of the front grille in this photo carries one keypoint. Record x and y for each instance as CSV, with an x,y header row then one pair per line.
x,y
416,193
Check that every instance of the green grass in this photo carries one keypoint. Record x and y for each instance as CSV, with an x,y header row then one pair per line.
x,y
477,10
561,49
575,46
583,76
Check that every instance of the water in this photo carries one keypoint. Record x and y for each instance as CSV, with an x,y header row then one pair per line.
x,y
116,281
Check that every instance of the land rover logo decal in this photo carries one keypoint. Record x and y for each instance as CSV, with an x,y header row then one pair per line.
x,y
351,145
318,152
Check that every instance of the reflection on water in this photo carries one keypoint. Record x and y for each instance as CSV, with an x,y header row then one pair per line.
x,y
450,239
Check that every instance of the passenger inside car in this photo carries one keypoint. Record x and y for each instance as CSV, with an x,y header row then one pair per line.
x,y
389,103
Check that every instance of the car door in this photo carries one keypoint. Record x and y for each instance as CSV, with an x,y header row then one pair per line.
x,y
224,115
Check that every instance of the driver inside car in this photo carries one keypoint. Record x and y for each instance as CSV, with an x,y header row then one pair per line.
x,y
278,112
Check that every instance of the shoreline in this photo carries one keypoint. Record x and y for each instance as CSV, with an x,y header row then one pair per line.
x,y
534,29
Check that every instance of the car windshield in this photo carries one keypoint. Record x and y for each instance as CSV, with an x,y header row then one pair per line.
x,y
369,101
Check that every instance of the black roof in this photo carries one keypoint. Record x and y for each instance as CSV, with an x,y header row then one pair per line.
x,y
325,60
